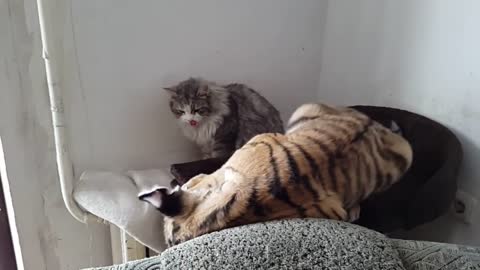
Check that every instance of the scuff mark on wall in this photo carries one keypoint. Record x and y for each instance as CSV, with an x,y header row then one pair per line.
x,y
49,247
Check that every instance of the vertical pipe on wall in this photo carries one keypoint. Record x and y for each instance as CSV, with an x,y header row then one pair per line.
x,y
64,164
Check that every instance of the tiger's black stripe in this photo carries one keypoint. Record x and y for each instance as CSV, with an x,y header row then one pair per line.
x,y
334,137
250,145
301,120
347,184
330,156
209,220
361,134
175,229
353,123
387,179
368,174
376,167
226,208
235,170
330,161
315,171
399,160
294,176
319,210
358,172
253,201
330,136
183,239
276,188
381,151
214,215
353,137
336,214
253,144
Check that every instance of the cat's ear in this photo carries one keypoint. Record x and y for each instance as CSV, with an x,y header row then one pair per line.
x,y
154,197
167,202
170,90
203,91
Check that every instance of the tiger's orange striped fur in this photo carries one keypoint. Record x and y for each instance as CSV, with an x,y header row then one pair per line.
x,y
329,160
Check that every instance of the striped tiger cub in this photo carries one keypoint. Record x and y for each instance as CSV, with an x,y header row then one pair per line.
x,y
329,160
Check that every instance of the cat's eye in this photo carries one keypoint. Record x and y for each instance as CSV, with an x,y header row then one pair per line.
x,y
201,111
179,112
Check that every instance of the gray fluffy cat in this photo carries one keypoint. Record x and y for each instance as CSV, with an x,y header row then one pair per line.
x,y
221,119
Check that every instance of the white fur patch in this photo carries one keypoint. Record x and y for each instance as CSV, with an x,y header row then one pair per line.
x,y
204,132
231,175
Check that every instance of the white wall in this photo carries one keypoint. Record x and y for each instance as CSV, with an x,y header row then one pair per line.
x,y
419,55
116,57
128,50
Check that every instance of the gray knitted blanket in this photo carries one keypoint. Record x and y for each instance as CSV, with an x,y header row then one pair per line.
x,y
306,244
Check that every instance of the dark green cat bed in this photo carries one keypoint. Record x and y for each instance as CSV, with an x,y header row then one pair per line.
x,y
423,194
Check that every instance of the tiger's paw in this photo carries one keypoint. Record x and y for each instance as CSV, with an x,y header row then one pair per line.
x,y
332,207
194,183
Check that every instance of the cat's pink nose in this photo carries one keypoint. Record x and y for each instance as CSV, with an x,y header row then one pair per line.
x,y
193,123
